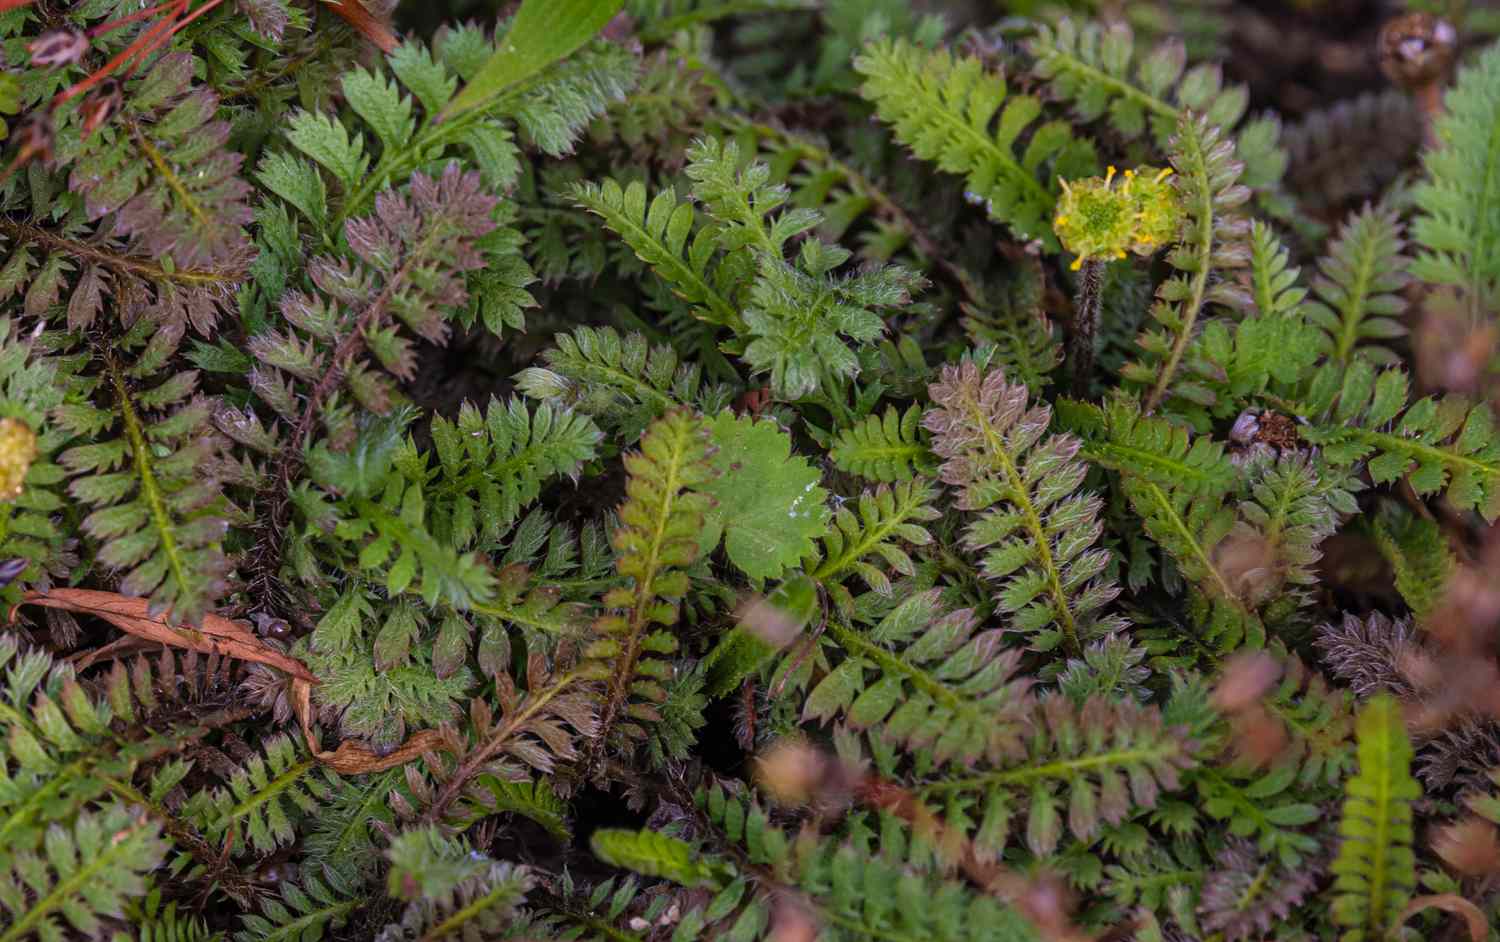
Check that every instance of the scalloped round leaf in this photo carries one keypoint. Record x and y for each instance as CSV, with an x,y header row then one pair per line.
x,y
770,507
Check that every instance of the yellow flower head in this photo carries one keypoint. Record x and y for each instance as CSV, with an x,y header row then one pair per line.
x,y
17,451
1098,219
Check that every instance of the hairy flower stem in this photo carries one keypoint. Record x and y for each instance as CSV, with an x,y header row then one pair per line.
x,y
1085,325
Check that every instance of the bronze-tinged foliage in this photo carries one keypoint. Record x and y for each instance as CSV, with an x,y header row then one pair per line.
x,y
768,470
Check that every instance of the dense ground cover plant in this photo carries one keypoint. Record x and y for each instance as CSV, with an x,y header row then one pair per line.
x,y
672,469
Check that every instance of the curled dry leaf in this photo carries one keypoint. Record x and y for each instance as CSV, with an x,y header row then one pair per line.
x,y
353,758
219,635
1473,917
216,635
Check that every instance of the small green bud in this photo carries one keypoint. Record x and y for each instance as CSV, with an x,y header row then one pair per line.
x,y
1097,219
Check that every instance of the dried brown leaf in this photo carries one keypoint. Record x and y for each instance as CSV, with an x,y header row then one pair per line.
x,y
216,634
1473,916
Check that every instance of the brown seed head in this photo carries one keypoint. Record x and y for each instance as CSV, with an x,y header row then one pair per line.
x,y
57,47
1417,49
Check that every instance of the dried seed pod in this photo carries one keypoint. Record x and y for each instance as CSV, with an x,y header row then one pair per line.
x,y
34,137
101,105
57,47
1417,49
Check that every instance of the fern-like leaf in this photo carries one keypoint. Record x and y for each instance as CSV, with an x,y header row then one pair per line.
x,y
1358,288
1036,531
493,464
868,544
945,109
163,175
264,798
160,512
621,380
453,891
662,524
929,681
1208,173
661,235
304,909
1082,767
1459,228
1100,70
1375,869
883,447
91,867
1448,445
1418,552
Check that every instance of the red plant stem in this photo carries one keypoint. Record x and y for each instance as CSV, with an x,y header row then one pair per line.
x,y
156,36
170,33
193,16
124,55
136,53
113,25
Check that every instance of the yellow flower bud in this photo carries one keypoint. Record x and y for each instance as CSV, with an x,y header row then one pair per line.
x,y
1098,219
17,451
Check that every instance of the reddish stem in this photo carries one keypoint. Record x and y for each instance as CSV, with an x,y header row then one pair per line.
x,y
113,25
171,32
155,37
123,56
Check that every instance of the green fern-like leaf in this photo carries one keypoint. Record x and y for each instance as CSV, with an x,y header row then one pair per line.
x,y
303,910
160,512
452,890
654,854
1358,288
263,799
1375,870
1100,70
31,387
376,668
1208,182
1035,531
661,533
1418,552
869,544
945,109
621,380
1273,279
660,235
158,923
1120,438
380,497
1013,322
91,867
57,753
883,447
1189,526
1459,228
1448,445
930,681
493,464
